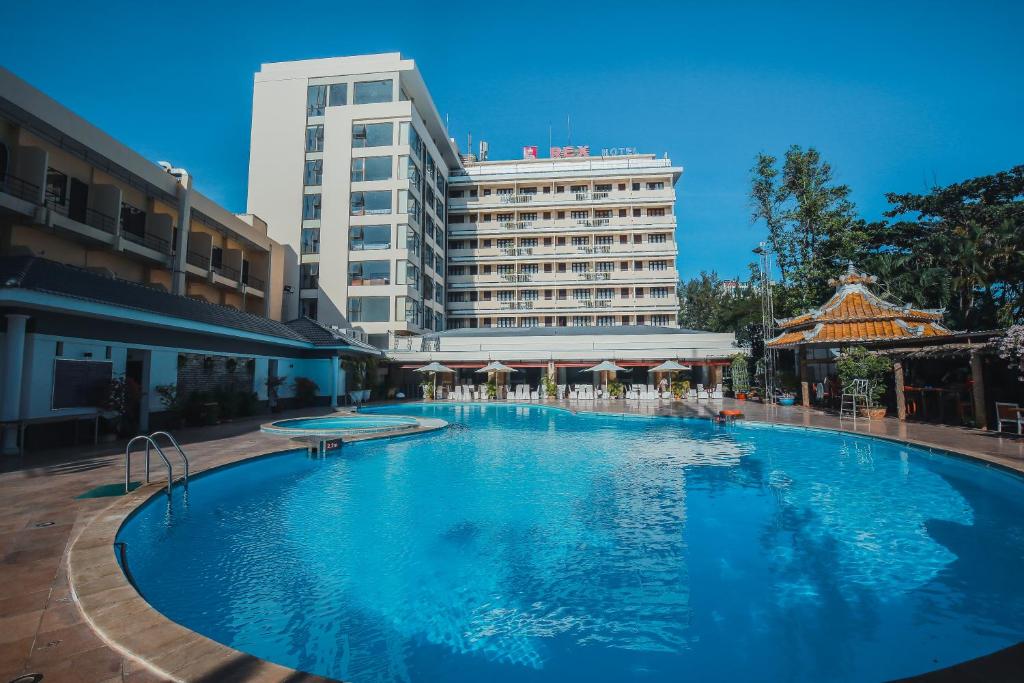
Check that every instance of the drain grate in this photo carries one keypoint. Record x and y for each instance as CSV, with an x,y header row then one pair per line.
x,y
43,525
28,678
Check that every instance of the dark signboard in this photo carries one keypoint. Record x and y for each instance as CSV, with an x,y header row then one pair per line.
x,y
80,383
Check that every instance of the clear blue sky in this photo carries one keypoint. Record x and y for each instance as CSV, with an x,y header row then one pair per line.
x,y
896,95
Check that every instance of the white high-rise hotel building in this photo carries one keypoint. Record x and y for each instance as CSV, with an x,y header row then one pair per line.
x,y
353,170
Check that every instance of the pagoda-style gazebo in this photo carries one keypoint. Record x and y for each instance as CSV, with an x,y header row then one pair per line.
x,y
856,316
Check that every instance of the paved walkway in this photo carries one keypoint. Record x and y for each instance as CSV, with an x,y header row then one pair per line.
x,y
43,630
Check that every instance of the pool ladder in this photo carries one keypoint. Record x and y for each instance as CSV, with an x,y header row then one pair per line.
x,y
151,443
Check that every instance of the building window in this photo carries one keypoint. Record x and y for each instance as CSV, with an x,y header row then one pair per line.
x,y
309,276
371,203
661,320
605,321
656,212
371,92
314,173
56,188
580,321
657,265
311,240
314,138
311,207
659,292
338,95
372,134
529,322
529,295
580,241
366,237
369,273
581,294
371,168
378,340
656,186
368,309
316,100
506,322
604,266
308,307
658,238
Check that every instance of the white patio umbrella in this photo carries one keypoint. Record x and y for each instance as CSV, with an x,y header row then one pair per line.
x,y
605,366
497,366
670,366
433,369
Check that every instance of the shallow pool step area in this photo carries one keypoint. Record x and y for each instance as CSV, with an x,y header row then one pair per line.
x,y
321,434
110,490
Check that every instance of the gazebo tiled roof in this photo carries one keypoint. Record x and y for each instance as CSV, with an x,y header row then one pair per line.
x,y
856,314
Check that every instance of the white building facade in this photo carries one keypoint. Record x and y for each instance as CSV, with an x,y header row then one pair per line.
x,y
563,242
349,163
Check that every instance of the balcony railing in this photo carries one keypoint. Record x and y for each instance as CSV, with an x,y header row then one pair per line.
x,y
593,276
516,198
516,225
516,305
148,240
230,272
101,221
254,282
517,251
517,277
198,260
55,202
20,188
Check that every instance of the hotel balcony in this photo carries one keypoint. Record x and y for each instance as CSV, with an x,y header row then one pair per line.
x,y
565,252
559,225
567,305
567,199
641,278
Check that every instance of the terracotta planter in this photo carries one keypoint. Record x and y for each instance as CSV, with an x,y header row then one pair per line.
x,y
740,396
873,413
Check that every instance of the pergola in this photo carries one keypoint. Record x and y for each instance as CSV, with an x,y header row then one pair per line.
x,y
856,316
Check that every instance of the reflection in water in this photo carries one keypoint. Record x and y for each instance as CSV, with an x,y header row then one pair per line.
x,y
537,545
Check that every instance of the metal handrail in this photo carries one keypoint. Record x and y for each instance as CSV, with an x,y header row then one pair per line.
x,y
128,462
174,442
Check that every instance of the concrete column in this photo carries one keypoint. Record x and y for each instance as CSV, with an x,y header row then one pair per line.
x,y
335,366
14,355
805,385
901,397
978,390
184,225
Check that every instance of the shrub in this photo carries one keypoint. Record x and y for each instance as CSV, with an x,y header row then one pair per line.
x,y
492,389
305,390
550,386
859,363
740,374
616,389
680,388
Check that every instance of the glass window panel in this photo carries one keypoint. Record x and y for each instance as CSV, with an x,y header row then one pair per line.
x,y
310,207
371,168
365,237
370,92
316,100
311,240
371,203
314,172
314,138
369,273
309,275
338,95
368,309
372,134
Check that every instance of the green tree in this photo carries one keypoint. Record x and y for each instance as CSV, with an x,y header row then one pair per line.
x,y
811,223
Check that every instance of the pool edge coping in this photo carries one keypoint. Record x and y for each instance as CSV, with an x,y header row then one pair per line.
x,y
104,594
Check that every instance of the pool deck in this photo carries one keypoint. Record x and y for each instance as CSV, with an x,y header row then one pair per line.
x,y
67,612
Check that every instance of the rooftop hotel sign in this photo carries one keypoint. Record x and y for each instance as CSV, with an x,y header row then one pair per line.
x,y
570,152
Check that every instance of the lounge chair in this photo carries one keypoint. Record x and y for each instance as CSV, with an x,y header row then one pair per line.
x,y
717,392
1009,413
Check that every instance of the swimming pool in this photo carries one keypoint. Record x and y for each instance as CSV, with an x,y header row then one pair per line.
x,y
530,544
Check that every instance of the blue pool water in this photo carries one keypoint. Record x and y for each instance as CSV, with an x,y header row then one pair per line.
x,y
525,544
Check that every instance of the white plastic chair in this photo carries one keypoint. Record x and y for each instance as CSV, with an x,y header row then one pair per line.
x,y
855,395
717,392
1009,413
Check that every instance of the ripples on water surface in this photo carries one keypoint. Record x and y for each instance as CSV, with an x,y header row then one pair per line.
x,y
535,545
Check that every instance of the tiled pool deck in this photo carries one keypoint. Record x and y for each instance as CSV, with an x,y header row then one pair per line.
x,y
52,625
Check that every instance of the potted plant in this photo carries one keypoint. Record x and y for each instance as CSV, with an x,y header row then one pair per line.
x,y
740,377
550,387
492,389
428,390
616,389
119,402
305,391
859,363
680,388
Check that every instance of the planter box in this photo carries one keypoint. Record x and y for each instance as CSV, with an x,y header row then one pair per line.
x,y
873,413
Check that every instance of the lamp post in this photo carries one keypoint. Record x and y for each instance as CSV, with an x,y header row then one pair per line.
x,y
769,356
